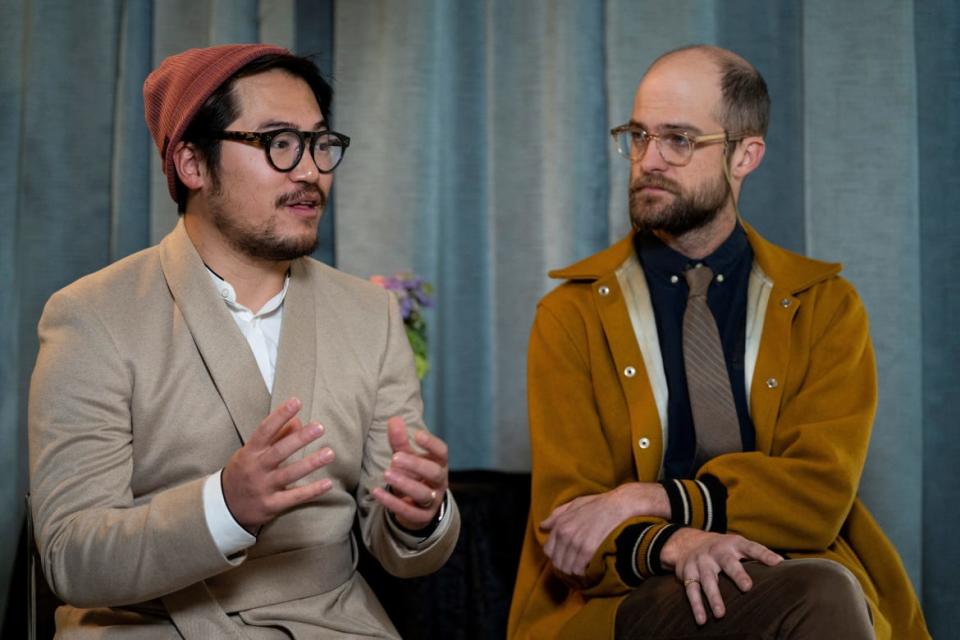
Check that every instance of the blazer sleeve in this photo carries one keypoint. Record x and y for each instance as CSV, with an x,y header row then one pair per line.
x,y
398,394
798,497
99,546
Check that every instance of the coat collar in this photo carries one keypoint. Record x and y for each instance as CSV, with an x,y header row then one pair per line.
x,y
790,271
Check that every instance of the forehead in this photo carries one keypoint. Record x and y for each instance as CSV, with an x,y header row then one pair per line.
x,y
683,90
276,96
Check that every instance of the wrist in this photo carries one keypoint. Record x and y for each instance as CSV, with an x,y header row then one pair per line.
x,y
644,499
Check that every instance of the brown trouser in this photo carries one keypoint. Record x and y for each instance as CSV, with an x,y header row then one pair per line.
x,y
809,598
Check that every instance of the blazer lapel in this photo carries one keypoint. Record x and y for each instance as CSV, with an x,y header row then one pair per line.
x,y
297,355
222,347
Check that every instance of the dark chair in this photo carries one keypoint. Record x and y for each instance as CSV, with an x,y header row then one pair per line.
x,y
469,598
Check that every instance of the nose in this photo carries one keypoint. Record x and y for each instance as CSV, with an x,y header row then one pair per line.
x,y
649,159
305,170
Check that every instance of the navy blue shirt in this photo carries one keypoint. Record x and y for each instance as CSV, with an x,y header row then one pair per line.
x,y
727,299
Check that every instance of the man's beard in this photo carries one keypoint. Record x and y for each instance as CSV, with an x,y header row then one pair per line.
x,y
265,243
686,213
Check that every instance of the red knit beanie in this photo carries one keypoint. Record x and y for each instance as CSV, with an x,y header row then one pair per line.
x,y
175,91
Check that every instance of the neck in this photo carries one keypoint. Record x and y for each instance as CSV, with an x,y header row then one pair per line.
x,y
699,243
255,280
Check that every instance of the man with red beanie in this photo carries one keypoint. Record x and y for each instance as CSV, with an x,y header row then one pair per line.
x,y
209,416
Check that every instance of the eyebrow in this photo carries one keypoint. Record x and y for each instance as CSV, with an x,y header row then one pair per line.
x,y
284,124
673,126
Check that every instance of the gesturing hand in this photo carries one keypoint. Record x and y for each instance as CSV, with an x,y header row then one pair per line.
x,y
578,527
418,481
254,482
698,557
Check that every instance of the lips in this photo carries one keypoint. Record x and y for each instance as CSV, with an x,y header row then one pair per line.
x,y
302,200
652,185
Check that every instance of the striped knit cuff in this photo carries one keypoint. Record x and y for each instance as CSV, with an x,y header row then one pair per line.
x,y
700,503
638,551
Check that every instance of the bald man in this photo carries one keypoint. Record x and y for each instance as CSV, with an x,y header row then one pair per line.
x,y
700,407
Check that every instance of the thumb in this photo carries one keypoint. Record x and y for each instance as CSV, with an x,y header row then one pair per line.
x,y
397,434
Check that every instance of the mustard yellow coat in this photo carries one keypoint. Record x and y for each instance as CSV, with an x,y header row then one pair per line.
x,y
594,384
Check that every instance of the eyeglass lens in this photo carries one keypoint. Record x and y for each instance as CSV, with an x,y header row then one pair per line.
x,y
675,147
285,150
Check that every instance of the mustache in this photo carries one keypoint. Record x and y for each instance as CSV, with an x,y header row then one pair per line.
x,y
656,181
303,194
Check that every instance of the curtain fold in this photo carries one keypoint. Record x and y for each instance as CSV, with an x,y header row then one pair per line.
x,y
480,159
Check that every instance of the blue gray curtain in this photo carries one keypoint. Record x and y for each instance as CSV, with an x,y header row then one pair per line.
x,y
480,160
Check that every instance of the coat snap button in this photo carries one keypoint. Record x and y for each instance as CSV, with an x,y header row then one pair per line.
x,y
629,372
644,443
604,291
785,303
772,383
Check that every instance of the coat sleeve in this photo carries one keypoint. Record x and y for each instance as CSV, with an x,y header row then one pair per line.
x,y
798,496
572,452
398,394
100,547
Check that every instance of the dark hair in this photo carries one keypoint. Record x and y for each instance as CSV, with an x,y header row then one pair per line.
x,y
221,108
744,103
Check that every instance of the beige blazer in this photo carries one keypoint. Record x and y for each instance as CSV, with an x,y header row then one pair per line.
x,y
144,386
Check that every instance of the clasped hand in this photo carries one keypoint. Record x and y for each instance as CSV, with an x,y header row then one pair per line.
x,y
576,529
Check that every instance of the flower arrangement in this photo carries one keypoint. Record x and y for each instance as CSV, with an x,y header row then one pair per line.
x,y
414,294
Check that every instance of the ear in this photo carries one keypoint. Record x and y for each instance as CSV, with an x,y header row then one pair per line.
x,y
189,166
747,156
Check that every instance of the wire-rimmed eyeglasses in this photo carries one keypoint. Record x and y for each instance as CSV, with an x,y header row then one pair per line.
x,y
675,147
284,147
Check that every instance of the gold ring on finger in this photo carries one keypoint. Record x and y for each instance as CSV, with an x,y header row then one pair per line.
x,y
690,581
426,504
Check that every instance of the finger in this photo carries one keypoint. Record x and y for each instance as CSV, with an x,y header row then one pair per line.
x,y
397,435
695,598
736,572
288,474
287,429
402,509
265,433
756,551
435,447
567,551
290,498
422,494
552,518
710,585
414,466
284,448
550,547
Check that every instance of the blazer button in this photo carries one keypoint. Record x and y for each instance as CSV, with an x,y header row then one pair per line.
x,y
772,383
785,303
644,443
629,372
604,291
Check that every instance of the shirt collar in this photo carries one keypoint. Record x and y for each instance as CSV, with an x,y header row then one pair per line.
x,y
661,261
229,294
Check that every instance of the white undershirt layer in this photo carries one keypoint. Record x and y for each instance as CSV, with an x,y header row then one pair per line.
x,y
262,332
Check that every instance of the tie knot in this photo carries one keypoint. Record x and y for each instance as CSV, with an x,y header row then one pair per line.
x,y
698,279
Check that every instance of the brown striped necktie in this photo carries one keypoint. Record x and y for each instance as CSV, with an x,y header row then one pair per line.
x,y
711,397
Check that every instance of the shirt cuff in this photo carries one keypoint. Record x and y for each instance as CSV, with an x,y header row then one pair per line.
x,y
227,534
415,542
